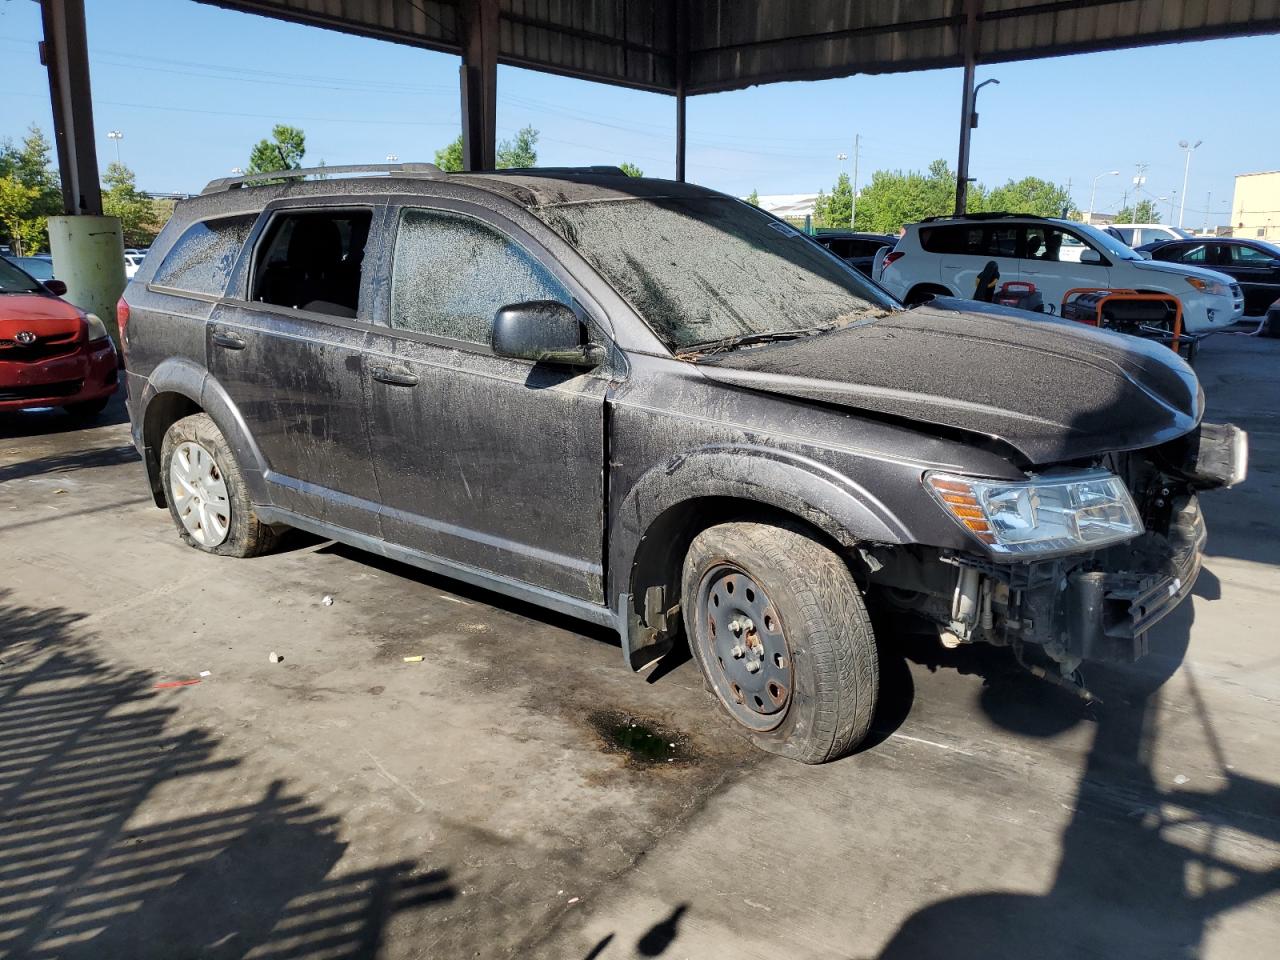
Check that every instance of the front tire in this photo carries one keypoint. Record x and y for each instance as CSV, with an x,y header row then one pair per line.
x,y
780,631
205,491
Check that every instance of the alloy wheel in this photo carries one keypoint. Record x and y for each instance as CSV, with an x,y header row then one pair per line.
x,y
199,494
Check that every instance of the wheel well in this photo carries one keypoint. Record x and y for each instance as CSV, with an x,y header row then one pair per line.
x,y
921,291
164,410
659,558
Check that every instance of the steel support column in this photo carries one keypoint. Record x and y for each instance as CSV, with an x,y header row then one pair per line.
x,y
969,41
682,80
478,77
65,54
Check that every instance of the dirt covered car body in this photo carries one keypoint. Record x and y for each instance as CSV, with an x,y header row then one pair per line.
x,y
643,403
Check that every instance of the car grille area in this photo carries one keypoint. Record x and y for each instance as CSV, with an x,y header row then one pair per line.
x,y
43,348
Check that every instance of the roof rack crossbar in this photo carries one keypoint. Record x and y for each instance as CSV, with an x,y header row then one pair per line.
x,y
426,170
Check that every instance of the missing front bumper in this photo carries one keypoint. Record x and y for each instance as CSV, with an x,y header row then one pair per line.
x,y
1108,613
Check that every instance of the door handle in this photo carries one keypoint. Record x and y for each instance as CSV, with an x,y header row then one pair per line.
x,y
396,376
229,340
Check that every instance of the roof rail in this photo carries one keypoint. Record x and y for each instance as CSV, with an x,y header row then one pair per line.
x,y
603,169
984,216
427,171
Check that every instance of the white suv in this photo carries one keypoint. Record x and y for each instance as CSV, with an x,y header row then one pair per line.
x,y
942,256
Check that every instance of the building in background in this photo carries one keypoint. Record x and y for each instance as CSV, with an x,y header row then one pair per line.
x,y
789,206
1255,208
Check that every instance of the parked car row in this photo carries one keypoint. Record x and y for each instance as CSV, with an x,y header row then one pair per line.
x,y
658,408
1253,264
944,256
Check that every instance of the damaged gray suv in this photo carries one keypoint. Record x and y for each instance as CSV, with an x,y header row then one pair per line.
x,y
655,407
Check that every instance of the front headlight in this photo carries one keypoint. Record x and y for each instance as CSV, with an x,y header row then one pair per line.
x,y
1043,515
1212,287
97,329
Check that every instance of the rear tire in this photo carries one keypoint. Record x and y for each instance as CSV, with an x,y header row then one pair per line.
x,y
773,597
205,491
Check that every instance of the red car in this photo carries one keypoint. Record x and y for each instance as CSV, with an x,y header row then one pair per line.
x,y
52,354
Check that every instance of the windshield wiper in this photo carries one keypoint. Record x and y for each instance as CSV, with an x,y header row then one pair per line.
x,y
749,339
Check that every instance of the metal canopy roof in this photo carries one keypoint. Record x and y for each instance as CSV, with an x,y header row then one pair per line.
x,y
730,44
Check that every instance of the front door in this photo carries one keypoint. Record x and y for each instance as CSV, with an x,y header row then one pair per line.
x,y
1057,261
492,463
1256,270
290,354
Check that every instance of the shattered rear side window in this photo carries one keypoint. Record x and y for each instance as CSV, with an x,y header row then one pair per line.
x,y
702,269
202,259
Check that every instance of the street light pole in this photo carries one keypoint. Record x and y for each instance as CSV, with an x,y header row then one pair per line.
x,y
1093,194
853,187
1186,171
117,136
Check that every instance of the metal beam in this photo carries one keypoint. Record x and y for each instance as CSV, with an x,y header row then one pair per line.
x,y
65,54
478,78
972,8
682,83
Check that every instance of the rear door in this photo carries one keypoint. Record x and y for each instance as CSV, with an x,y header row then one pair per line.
x,y
288,351
1051,260
964,250
491,463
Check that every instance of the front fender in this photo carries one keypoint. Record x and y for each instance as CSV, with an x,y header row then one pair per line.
x,y
789,482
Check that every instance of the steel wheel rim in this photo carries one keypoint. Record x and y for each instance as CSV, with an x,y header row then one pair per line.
x,y
744,646
198,492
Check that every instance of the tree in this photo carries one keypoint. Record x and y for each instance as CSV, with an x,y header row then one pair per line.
x,y
1030,195
754,197
1144,212
631,170
135,210
449,157
836,209
519,152
31,164
284,151
893,197
23,229
31,191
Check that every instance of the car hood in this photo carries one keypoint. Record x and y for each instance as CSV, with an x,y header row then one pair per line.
x,y
1051,389
36,312
1181,270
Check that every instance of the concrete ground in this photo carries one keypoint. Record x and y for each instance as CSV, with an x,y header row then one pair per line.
x,y
347,803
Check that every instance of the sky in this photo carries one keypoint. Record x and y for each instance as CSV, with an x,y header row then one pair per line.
x,y
193,87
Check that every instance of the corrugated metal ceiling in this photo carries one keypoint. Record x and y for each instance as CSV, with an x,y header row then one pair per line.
x,y
737,43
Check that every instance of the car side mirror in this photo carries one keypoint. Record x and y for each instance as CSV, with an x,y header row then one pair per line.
x,y
1090,256
56,287
1144,254
545,331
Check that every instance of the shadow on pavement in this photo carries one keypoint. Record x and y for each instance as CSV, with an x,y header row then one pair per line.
x,y
72,460
1144,867
90,869
50,420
